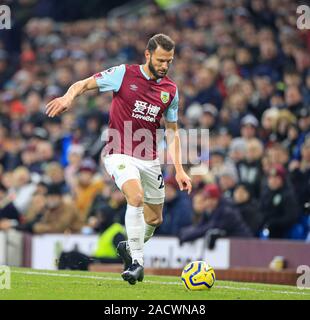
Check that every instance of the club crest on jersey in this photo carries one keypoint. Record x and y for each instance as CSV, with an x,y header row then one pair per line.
x,y
164,96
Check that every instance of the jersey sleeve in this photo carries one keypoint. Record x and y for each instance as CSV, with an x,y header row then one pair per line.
x,y
110,79
171,113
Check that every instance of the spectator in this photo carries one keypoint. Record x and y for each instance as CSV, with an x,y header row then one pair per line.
x,y
300,174
290,143
22,189
177,211
112,199
75,156
278,203
220,214
237,104
224,139
265,90
237,150
34,106
249,126
249,169
285,118
304,131
208,117
35,212
111,233
199,180
293,99
9,216
248,207
276,154
87,187
45,152
217,161
55,175
207,91
58,216
269,122
228,179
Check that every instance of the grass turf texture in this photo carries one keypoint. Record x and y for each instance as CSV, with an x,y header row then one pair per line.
x,y
63,285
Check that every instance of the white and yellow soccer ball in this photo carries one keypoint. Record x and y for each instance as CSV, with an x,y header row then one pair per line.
x,y
198,275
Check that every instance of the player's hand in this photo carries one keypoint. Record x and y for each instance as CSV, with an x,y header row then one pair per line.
x,y
184,181
58,106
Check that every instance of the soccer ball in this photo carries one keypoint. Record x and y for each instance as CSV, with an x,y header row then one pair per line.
x,y
198,275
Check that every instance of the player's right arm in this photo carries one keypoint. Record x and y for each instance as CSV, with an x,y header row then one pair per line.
x,y
109,80
64,103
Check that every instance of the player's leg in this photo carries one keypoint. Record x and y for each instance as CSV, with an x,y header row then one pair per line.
x,y
127,178
134,222
153,217
134,219
154,196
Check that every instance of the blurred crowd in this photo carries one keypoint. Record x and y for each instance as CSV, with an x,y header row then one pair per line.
x,y
242,70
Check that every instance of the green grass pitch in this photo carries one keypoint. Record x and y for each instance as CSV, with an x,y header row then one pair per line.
x,y
63,285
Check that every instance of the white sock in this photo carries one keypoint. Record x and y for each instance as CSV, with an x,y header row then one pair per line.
x,y
134,222
148,232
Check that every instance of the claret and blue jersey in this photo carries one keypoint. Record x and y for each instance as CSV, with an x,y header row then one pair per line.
x,y
140,100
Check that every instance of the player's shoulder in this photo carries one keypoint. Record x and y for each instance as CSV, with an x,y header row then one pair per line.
x,y
132,67
111,71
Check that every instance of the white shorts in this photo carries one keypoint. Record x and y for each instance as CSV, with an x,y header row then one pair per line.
x,y
122,168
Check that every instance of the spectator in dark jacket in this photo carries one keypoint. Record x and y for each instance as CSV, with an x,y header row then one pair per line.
x,y
248,207
177,211
300,174
9,215
113,200
250,169
278,203
220,215
207,91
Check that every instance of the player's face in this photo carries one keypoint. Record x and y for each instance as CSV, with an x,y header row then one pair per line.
x,y
159,61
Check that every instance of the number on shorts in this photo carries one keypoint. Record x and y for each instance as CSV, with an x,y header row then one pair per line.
x,y
160,177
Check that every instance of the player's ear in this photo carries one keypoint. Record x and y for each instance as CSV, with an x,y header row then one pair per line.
x,y
147,55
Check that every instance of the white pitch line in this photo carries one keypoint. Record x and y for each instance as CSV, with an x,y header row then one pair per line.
x,y
68,275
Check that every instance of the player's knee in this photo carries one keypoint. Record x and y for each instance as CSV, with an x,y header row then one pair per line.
x,y
154,221
136,199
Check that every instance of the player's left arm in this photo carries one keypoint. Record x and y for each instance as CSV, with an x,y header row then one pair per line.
x,y
174,144
174,149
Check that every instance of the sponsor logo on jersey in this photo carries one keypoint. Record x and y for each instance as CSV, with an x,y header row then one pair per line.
x,y
145,111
